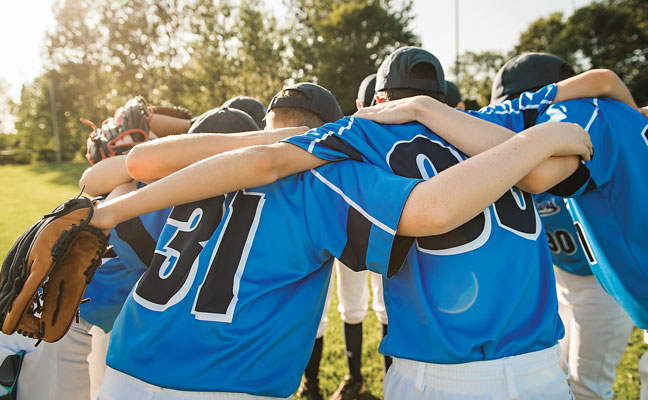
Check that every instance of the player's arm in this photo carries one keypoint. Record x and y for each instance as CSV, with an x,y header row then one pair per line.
x,y
459,193
158,158
164,125
469,134
105,176
594,83
213,176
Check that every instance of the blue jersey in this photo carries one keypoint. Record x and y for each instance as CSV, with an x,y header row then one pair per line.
x,y
607,191
610,214
236,289
565,249
133,244
483,291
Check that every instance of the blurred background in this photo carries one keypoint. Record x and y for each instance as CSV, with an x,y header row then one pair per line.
x,y
65,59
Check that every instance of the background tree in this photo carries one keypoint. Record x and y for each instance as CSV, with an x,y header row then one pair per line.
x,y
477,71
337,43
610,34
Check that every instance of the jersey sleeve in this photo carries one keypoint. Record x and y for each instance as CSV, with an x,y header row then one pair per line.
x,y
359,217
346,139
521,113
585,113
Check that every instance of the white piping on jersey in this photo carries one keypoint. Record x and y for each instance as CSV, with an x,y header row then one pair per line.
x,y
329,133
594,115
645,138
353,203
509,109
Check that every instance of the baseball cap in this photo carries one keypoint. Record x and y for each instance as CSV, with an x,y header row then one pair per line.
x,y
318,100
367,90
394,72
253,107
526,72
223,120
452,96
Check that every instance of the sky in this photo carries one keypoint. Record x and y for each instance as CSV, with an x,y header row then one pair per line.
x,y
483,25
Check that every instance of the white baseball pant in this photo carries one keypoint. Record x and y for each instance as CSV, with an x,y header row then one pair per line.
x,y
60,370
597,331
353,293
531,376
119,386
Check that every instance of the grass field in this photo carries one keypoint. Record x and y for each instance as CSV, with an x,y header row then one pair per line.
x,y
31,191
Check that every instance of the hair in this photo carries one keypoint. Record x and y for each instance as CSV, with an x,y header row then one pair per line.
x,y
292,116
566,71
423,71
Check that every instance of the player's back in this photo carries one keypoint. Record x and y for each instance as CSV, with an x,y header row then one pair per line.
x,y
232,300
610,214
483,291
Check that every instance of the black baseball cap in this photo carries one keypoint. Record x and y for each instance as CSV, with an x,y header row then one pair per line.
x,y
318,100
223,120
253,107
528,71
367,90
452,96
394,72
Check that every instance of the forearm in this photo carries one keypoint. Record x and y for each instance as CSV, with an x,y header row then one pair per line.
x,y
548,174
469,134
594,83
164,125
217,175
156,159
105,176
473,136
459,193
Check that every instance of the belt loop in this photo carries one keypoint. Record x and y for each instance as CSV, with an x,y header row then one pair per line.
x,y
564,360
420,373
511,388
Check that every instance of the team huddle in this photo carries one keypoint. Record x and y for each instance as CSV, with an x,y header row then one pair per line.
x,y
506,246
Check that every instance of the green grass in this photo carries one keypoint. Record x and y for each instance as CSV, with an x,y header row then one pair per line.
x,y
30,191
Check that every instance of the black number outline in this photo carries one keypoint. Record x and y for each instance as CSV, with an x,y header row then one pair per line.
x,y
242,263
193,221
522,199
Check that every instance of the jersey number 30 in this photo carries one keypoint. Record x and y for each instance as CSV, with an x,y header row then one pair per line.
x,y
423,158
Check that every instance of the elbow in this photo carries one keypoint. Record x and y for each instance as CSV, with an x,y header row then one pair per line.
x,y
606,80
84,182
137,165
535,182
425,220
267,166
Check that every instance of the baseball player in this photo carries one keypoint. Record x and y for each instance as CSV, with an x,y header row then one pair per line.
x,y
597,329
63,370
353,295
251,106
453,96
445,317
133,244
603,118
217,346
